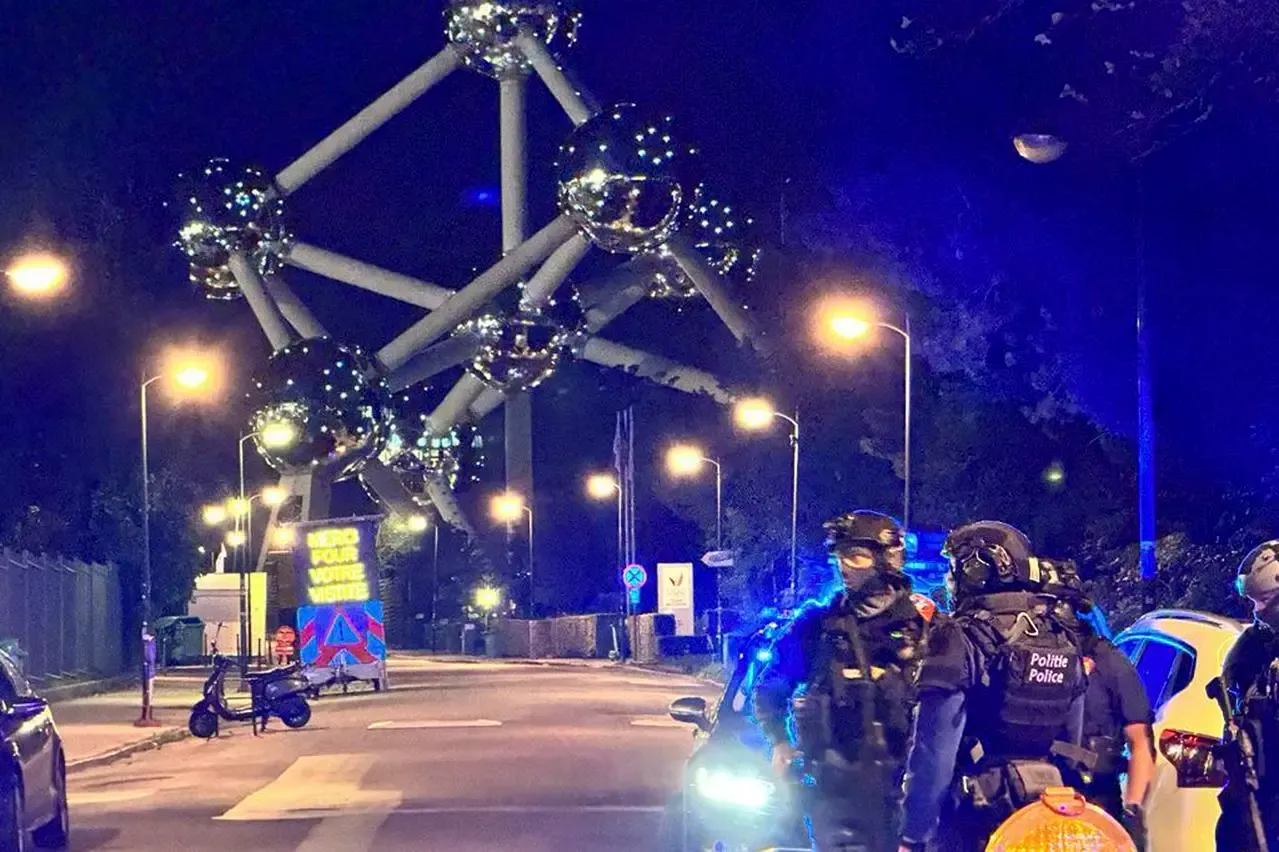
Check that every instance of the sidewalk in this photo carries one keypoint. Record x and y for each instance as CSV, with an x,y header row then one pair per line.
x,y
100,728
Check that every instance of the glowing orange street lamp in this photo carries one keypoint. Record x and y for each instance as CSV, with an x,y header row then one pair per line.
x,y
37,274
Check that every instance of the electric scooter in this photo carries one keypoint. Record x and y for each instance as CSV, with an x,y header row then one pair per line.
x,y
279,692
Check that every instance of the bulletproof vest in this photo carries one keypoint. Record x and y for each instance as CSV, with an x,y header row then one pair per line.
x,y
1032,674
862,677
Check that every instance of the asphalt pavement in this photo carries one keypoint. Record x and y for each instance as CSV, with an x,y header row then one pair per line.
x,y
455,756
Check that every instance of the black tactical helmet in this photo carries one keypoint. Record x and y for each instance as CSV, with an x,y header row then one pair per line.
x,y
1258,575
873,530
990,556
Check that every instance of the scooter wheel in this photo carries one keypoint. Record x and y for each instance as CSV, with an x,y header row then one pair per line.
x,y
203,723
296,715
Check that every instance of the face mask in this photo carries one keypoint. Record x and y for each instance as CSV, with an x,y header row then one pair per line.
x,y
1267,612
856,567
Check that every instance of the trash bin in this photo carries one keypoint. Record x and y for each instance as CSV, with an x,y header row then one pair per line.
x,y
181,639
490,644
469,636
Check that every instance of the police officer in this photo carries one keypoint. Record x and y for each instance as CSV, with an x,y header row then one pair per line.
x,y
842,669
1001,683
1250,800
1117,711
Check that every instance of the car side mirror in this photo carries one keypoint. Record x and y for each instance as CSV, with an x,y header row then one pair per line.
x,y
692,710
27,708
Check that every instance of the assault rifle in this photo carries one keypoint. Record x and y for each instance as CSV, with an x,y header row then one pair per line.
x,y
1241,747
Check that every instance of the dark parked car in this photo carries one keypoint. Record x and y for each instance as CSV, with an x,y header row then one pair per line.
x,y
33,768
730,800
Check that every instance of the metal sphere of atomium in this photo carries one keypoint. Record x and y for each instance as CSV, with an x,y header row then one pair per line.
x,y
331,399
619,179
723,236
1039,148
520,350
418,455
224,208
485,30
214,282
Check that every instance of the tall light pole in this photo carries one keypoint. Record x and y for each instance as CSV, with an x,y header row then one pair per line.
x,y
846,324
187,372
601,487
686,460
507,508
758,414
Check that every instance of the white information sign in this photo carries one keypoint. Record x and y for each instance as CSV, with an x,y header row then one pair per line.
x,y
675,594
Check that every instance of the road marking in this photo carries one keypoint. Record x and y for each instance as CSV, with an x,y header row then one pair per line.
x,y
317,787
658,722
413,724
425,810
342,834
107,797
664,684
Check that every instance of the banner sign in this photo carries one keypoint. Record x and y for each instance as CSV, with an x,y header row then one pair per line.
x,y
675,594
341,634
336,560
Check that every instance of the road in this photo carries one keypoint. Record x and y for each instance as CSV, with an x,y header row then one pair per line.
x,y
455,756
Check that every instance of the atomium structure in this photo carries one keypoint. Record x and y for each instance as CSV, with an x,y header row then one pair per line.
x,y
623,187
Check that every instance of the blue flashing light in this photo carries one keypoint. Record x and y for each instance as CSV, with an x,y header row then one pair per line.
x,y
482,196
763,655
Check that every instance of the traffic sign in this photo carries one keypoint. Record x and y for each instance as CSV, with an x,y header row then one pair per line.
x,y
634,576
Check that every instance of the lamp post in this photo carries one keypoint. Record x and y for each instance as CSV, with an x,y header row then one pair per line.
x,y
758,414
601,487
685,460
273,435
507,508
187,373
845,324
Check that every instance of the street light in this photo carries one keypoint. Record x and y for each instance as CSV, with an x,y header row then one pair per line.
x,y
416,523
842,323
187,371
214,515
273,495
488,598
37,274
685,461
757,414
602,486
507,508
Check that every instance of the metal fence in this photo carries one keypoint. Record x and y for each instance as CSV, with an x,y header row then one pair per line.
x,y
64,614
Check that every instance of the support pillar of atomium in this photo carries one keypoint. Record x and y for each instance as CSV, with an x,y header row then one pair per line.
x,y
712,287
260,302
366,276
368,120
517,423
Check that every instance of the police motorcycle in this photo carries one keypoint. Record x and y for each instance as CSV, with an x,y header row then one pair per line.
x,y
278,692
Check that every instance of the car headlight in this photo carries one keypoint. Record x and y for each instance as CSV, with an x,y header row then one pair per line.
x,y
733,788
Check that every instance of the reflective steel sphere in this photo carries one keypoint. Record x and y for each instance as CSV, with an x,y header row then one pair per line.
x,y
214,282
485,31
1039,148
331,400
518,351
722,235
618,179
224,208
412,451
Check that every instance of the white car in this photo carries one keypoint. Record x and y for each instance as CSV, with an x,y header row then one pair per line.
x,y
1176,653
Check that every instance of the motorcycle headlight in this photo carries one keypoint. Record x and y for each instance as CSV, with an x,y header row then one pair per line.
x,y
727,787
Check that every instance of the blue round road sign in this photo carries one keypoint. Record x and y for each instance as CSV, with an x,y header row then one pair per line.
x,y
634,576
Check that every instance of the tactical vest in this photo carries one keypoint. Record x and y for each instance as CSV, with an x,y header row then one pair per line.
x,y
860,697
1032,675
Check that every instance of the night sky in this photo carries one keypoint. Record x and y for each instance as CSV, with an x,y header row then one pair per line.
x,y
111,100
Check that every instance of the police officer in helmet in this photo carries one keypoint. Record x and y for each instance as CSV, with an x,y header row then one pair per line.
x,y
1250,800
1001,682
1117,711
842,669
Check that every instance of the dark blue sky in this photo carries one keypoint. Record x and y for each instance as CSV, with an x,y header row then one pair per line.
x,y
114,98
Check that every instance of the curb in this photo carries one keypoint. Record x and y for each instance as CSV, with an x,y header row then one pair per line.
x,y
84,689
642,667
152,742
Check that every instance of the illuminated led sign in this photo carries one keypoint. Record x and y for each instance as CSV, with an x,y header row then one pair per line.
x,y
336,562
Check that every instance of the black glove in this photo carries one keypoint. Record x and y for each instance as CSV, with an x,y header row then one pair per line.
x,y
1134,822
